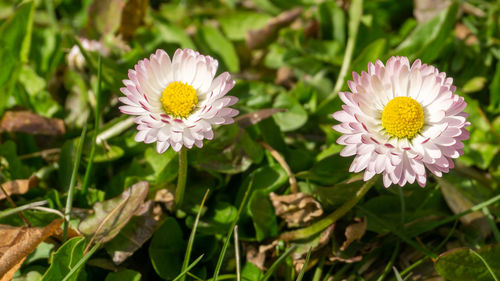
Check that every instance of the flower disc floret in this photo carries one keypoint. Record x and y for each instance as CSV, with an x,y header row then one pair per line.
x,y
403,117
179,99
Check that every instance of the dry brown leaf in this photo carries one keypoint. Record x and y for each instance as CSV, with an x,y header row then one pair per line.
x,y
9,274
132,17
31,123
296,209
252,118
425,10
19,242
166,197
261,255
463,33
285,77
18,186
354,232
262,37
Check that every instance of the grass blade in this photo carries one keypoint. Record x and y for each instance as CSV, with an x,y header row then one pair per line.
x,y
81,262
191,237
187,269
303,269
278,262
96,131
71,189
228,237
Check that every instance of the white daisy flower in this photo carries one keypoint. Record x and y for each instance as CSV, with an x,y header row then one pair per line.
x,y
177,101
401,119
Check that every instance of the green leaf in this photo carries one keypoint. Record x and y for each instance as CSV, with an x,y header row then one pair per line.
x,y
332,22
428,39
167,249
107,154
165,166
264,219
236,25
15,169
15,38
124,275
295,116
495,90
172,33
212,39
370,53
462,264
64,259
112,215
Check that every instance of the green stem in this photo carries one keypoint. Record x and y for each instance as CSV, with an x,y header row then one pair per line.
x,y
181,178
331,218
355,13
71,189
94,134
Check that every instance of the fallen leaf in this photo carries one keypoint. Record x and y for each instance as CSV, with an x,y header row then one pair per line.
x,y
18,242
261,255
31,123
296,209
105,15
18,186
260,38
132,17
354,232
9,274
137,231
425,10
285,76
166,197
249,119
463,33
112,215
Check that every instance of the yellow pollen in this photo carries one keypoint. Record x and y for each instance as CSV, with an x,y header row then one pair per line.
x,y
179,99
403,117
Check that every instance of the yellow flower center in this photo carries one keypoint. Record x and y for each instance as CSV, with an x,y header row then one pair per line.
x,y
179,99
403,117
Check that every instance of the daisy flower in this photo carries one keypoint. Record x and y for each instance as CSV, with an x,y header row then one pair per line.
x,y
399,120
177,101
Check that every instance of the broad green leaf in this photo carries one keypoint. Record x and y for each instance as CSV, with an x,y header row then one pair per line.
x,y
294,117
332,22
232,151
64,259
213,40
370,53
236,25
112,215
15,38
15,168
165,166
462,265
173,33
251,272
328,171
124,275
428,39
217,220
107,154
166,249
264,219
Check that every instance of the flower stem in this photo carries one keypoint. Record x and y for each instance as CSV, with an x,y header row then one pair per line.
x,y
331,218
181,178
